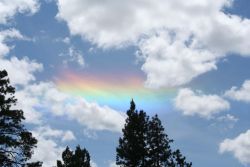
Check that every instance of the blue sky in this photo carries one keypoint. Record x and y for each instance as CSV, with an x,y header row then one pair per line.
x,y
197,52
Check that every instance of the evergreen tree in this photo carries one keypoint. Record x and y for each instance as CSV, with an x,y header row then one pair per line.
x,y
132,149
159,151
145,144
16,143
79,158
178,160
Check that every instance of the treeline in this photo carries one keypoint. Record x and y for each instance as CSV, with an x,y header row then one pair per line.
x,y
144,142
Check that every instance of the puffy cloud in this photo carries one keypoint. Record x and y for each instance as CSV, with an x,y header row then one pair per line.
x,y
195,34
170,62
91,115
28,103
48,132
6,35
111,23
48,151
20,71
10,8
239,147
192,103
240,94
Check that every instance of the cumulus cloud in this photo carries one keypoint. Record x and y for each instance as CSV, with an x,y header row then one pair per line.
x,y
240,94
239,147
194,103
20,71
5,36
170,62
48,151
195,34
91,115
10,8
28,103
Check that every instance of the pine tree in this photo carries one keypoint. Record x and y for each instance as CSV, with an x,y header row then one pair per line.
x,y
159,151
178,160
132,151
16,143
79,158
145,144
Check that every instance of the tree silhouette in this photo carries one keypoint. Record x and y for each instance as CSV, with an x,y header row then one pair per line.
x,y
79,158
145,144
159,151
16,143
178,160
34,164
132,151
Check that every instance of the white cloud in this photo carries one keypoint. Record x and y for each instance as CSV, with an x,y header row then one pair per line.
x,y
91,115
48,132
112,164
195,34
76,56
66,40
94,116
111,23
93,164
192,103
5,36
240,94
48,151
28,103
73,55
170,62
239,147
224,123
68,136
90,134
10,8
20,71
227,118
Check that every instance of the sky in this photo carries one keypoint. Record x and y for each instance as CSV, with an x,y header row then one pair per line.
x,y
77,64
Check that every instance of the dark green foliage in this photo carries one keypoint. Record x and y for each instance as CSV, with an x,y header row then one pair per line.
x,y
159,151
132,150
178,160
34,164
145,144
16,143
79,158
